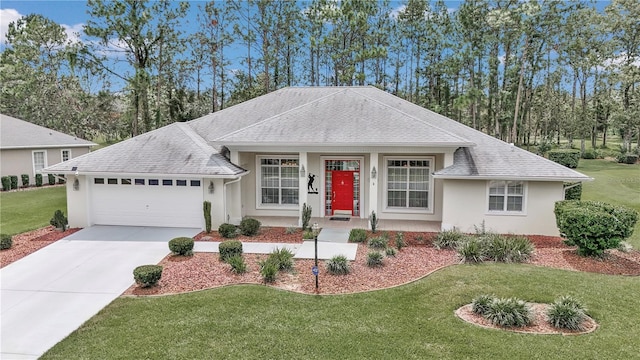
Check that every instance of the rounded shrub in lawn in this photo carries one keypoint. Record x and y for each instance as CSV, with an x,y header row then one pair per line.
x,y
358,235
375,259
338,265
449,239
229,248
249,227
238,265
147,275
227,230
509,312
567,313
378,242
5,241
480,305
181,246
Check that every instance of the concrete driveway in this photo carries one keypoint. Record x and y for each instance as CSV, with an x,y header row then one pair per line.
x,y
50,293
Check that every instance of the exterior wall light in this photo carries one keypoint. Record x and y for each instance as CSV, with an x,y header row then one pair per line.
x,y
211,187
76,184
302,171
373,172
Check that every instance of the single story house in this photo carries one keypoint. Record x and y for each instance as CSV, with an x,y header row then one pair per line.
x,y
345,151
27,148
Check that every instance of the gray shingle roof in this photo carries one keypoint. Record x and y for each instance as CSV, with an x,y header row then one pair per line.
x,y
20,134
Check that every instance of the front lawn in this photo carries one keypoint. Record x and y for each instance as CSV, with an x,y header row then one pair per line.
x,y
615,184
415,321
27,210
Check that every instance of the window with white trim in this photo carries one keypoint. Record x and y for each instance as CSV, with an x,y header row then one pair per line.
x,y
278,180
506,196
408,183
65,155
39,161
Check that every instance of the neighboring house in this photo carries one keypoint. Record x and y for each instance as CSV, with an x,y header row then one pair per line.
x,y
27,148
341,150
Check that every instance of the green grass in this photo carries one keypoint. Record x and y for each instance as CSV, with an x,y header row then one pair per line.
x,y
615,184
415,321
27,210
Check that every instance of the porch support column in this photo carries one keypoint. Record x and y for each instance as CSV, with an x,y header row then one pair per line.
x,y
374,169
302,184
234,195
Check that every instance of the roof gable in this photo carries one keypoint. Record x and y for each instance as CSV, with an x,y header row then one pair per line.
x,y
20,134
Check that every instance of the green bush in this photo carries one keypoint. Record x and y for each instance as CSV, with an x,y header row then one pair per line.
x,y
268,270
400,243
471,249
227,230
338,265
375,259
566,157
249,226
509,249
14,181
229,248
51,179
61,179
181,246
594,226
308,234
147,275
206,210
6,183
373,220
25,180
627,158
59,221
306,216
357,235
449,239
6,241
378,242
573,193
38,180
290,230
283,258
391,251
480,305
238,265
509,312
591,154
567,313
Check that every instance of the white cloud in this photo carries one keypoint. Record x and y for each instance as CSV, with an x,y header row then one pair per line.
x,y
396,12
7,16
73,32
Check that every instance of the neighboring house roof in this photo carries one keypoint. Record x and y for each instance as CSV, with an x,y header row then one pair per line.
x,y
319,117
20,134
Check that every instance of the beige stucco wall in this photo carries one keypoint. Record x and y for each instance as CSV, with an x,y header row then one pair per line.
x,y
78,202
466,203
20,161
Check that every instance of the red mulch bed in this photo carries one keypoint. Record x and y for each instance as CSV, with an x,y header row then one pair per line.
x,y
29,242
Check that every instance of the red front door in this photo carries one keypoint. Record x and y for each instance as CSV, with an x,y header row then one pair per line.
x,y
342,191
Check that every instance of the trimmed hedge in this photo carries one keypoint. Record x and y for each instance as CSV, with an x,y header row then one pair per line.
x,y
6,183
59,220
573,193
14,181
147,275
38,180
249,227
181,246
229,248
5,241
627,158
227,230
51,179
206,209
25,180
566,157
594,226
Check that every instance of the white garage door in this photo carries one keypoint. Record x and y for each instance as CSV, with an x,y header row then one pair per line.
x,y
146,202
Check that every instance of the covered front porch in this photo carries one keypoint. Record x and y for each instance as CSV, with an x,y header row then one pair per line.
x,y
354,223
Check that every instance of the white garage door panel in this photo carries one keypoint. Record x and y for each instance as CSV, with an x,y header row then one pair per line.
x,y
144,205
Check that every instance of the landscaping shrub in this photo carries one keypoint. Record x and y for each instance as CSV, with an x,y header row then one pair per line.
x,y
6,183
229,249
147,275
59,221
509,312
25,180
391,251
594,226
249,226
591,154
206,209
400,243
627,158
238,265
449,239
509,249
6,241
181,246
378,242
283,258
308,234
51,179
566,157
573,193
61,179
471,249
227,230
14,181
38,180
338,265
567,313
290,230
375,259
306,216
268,270
373,220
480,305
357,235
